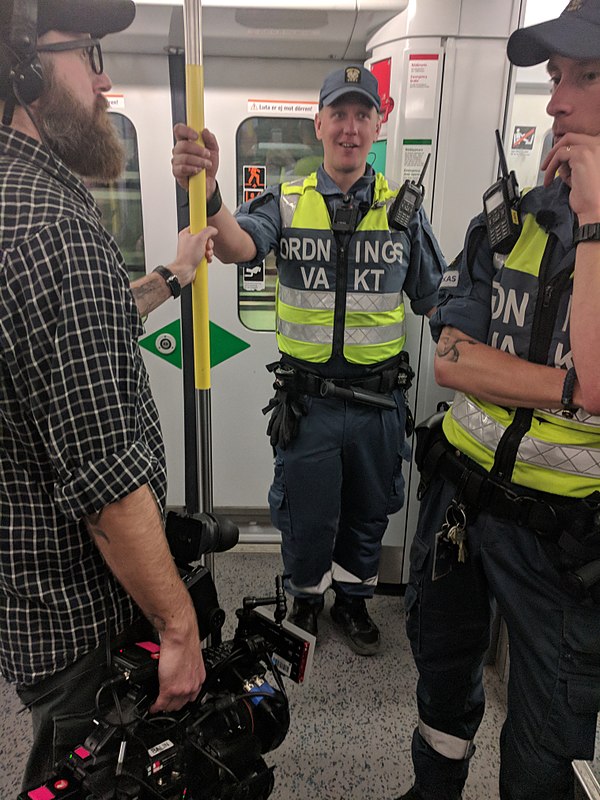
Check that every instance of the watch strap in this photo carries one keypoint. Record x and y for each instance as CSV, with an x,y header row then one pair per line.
x,y
590,232
568,409
213,206
170,279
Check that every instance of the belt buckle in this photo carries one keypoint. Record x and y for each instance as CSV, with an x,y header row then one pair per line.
x,y
536,514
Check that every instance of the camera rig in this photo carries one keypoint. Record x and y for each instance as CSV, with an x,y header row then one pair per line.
x,y
212,749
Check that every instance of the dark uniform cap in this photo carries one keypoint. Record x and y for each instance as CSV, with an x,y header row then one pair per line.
x,y
355,80
96,17
575,34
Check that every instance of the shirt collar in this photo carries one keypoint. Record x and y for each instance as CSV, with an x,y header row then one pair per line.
x,y
555,201
362,190
18,145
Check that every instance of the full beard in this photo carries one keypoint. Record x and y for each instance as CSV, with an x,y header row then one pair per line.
x,y
85,140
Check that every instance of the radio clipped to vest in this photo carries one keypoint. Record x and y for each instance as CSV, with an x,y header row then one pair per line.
x,y
501,207
408,201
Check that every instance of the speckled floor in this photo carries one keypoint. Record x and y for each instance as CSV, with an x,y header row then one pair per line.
x,y
351,725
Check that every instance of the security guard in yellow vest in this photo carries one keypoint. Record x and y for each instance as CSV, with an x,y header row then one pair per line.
x,y
511,481
338,417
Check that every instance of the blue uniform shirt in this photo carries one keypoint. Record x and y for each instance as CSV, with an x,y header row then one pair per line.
x,y
467,290
425,266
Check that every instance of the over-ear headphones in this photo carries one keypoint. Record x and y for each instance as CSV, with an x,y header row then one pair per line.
x,y
21,74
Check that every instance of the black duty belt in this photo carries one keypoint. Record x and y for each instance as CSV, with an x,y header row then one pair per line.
x,y
383,383
547,514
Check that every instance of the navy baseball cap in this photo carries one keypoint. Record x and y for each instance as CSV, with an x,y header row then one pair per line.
x,y
574,34
355,80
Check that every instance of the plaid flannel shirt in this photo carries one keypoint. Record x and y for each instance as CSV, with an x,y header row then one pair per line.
x,y
78,426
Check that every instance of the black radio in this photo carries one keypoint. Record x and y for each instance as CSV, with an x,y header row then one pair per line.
x,y
501,208
408,201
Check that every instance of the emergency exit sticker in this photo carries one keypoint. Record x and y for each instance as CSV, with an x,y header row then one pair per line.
x,y
255,178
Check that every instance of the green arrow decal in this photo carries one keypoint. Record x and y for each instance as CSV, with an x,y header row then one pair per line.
x,y
223,345
166,343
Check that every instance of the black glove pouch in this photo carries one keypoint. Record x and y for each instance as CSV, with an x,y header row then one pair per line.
x,y
287,409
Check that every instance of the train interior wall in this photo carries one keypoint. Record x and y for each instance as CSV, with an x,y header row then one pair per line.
x,y
468,94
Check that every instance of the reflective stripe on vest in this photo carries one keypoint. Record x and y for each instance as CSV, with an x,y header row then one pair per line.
x,y
556,454
561,458
374,327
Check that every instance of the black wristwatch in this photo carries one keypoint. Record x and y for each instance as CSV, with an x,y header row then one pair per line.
x,y
170,279
587,233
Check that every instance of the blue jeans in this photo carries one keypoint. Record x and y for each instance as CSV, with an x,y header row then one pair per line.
x,y
554,683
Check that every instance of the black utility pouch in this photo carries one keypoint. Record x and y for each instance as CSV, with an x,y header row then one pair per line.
x,y
427,433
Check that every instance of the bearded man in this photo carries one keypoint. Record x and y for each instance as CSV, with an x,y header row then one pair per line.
x,y
83,555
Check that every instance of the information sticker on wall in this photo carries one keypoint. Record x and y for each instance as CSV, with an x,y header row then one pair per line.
x,y
414,154
421,86
253,278
255,178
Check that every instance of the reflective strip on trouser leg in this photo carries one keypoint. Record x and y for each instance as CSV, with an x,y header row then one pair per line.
x,y
342,575
317,589
445,744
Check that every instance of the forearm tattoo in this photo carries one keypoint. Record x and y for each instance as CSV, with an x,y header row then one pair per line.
x,y
146,297
447,347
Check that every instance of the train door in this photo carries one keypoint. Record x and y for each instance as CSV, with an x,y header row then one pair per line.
x,y
443,76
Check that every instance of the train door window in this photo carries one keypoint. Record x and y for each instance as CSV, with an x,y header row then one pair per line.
x,y
269,151
120,201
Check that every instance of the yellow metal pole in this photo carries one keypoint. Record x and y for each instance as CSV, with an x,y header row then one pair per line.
x,y
194,75
192,23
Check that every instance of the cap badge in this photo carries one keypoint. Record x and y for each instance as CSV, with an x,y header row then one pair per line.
x,y
574,5
352,75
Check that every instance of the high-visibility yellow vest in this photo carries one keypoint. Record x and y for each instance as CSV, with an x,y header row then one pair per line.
x,y
557,454
309,267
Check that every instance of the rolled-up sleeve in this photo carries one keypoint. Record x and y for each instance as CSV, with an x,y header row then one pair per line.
x,y
260,218
87,410
425,267
466,288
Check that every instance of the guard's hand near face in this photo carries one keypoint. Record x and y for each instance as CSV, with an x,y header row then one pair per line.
x,y
191,249
576,159
190,157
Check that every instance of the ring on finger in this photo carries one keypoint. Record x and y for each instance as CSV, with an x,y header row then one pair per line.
x,y
568,148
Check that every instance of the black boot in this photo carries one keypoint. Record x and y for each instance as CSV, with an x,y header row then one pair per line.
x,y
360,632
304,614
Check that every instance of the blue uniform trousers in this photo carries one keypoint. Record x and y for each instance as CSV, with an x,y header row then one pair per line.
x,y
554,682
334,487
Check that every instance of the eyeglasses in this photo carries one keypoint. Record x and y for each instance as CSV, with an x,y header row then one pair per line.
x,y
91,48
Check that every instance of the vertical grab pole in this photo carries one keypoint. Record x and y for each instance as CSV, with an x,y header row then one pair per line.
x,y
194,81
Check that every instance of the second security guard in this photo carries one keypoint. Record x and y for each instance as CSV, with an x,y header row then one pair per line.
x,y
338,417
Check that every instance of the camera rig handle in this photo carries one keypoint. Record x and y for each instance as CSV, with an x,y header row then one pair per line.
x,y
279,601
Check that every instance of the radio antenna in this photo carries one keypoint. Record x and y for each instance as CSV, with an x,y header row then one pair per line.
x,y
503,164
424,170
